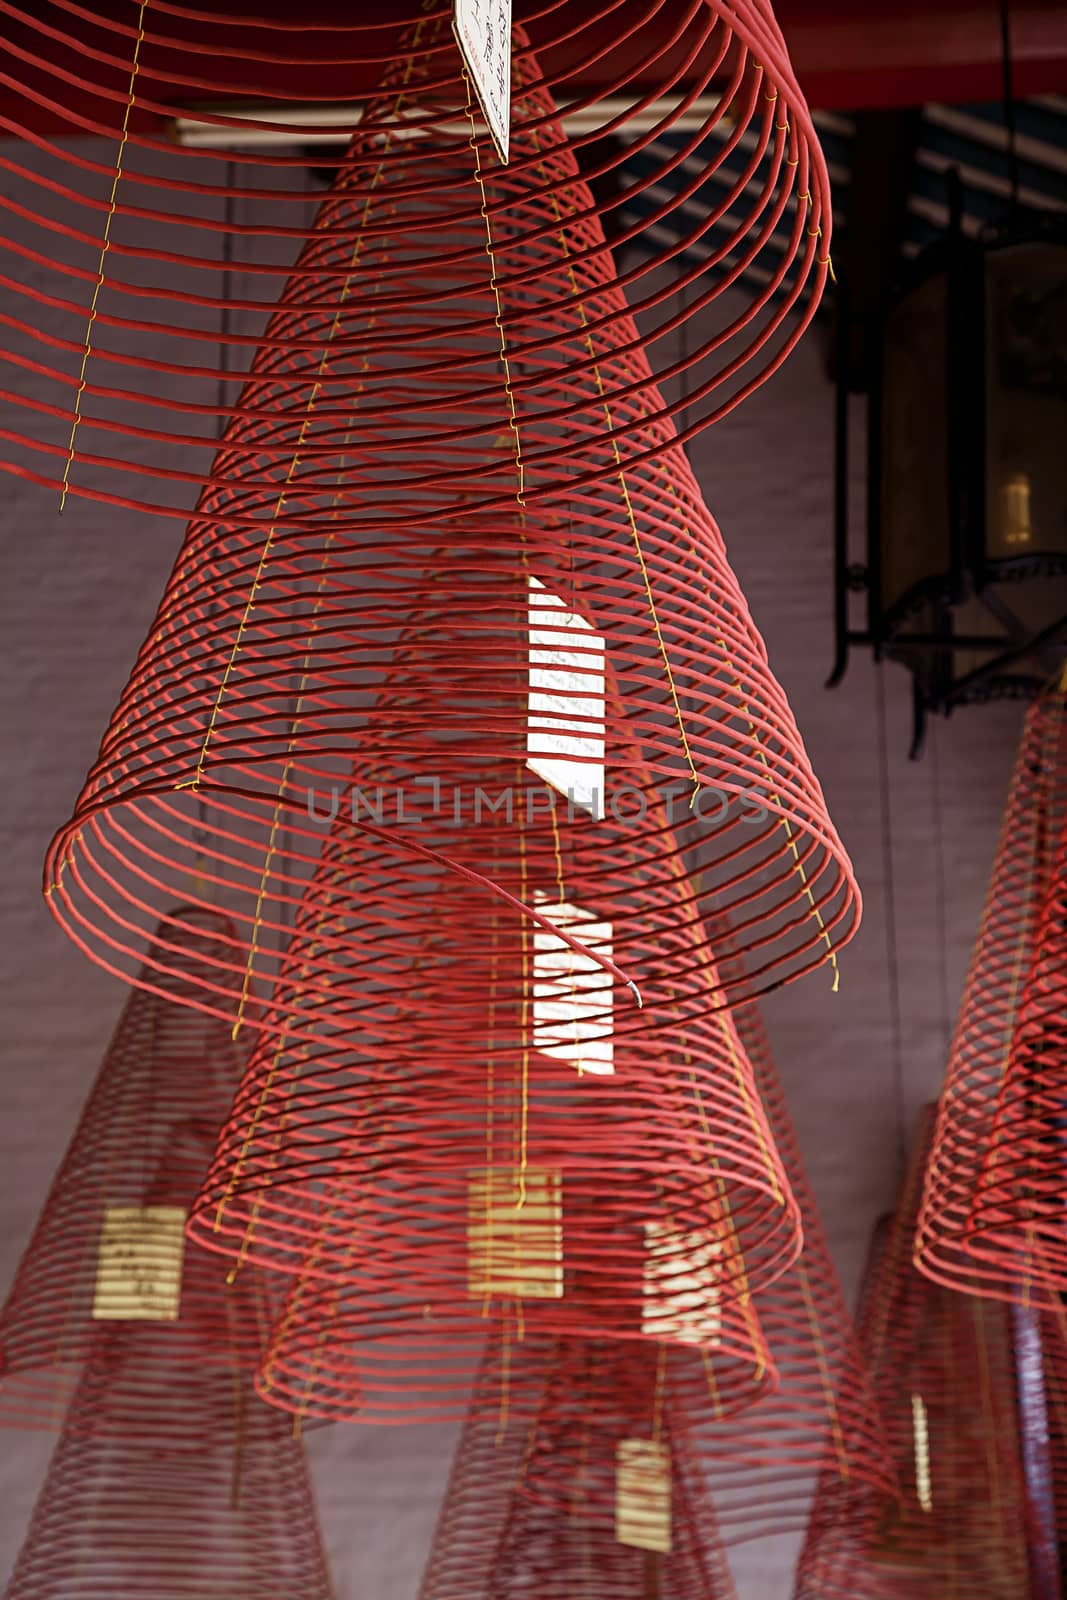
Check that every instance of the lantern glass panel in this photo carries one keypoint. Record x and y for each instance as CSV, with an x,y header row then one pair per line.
x,y
1026,400
914,479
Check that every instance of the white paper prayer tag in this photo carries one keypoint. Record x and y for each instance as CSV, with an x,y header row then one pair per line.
x,y
682,1289
643,1495
565,716
515,1249
139,1264
572,993
483,33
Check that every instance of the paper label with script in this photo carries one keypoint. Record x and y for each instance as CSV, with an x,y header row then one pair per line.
x,y
483,32
515,1241
139,1264
643,1495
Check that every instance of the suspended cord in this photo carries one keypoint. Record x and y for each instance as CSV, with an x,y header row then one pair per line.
x,y
940,893
1008,94
225,294
892,965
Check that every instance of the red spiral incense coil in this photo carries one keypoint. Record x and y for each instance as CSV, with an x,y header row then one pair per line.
x,y
822,1415
278,673
943,1366
124,350
397,445
108,1250
993,1213
762,1446
472,1128
171,1480
640,1523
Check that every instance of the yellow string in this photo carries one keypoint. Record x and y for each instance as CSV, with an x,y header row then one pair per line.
x,y
823,261
353,264
505,1377
524,1105
824,1371
194,782
494,284
557,849
657,1403
626,495
712,1383
268,859
994,1154
738,687
490,1092
513,423
104,248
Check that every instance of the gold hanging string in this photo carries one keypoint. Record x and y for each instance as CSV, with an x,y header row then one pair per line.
x,y
105,246
335,325
625,488
824,1371
494,284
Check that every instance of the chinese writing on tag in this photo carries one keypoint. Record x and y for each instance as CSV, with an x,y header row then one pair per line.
x,y
515,1248
483,32
139,1264
643,1495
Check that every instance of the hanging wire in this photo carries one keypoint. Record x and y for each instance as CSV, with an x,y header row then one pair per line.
x,y
892,961
1008,95
225,329
940,891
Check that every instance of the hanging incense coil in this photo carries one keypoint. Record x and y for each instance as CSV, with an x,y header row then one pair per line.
x,y
475,1119
993,1208
943,1366
172,1480
388,453
108,1251
642,1523
126,343
822,1415
487,1127
525,655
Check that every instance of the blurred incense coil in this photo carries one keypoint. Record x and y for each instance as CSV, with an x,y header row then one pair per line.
x,y
639,1523
993,1210
172,1480
108,1251
942,1362
142,272
822,1415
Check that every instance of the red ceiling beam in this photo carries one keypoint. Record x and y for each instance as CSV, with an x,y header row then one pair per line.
x,y
848,55
862,54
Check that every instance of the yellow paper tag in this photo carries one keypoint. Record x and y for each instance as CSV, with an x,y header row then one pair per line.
x,y
682,1285
921,1434
643,1495
139,1264
513,1250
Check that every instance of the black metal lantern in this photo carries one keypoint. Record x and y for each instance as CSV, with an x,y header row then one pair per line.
x,y
966,571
